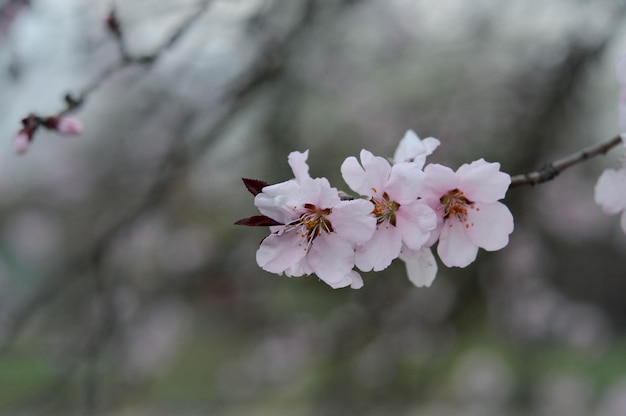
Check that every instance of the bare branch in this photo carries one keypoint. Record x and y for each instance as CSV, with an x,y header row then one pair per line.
x,y
552,169
126,59
33,122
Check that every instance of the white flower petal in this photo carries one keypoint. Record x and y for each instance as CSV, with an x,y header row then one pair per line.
x,y
355,176
277,253
482,181
298,269
430,143
377,170
489,225
434,234
300,168
415,221
356,281
378,253
409,148
345,281
412,149
610,191
331,258
279,201
405,183
438,180
421,266
325,196
455,248
352,220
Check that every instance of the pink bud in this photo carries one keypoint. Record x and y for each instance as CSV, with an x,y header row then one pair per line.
x,y
21,143
69,126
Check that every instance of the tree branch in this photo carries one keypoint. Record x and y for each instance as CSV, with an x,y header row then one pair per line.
x,y
551,170
73,102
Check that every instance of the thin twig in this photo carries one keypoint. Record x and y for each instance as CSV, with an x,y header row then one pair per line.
x,y
74,101
550,170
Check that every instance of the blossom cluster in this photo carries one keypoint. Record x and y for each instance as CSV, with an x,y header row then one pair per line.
x,y
404,208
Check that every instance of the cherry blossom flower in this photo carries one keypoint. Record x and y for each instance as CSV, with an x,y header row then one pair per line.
x,y
610,193
468,211
401,218
319,231
412,149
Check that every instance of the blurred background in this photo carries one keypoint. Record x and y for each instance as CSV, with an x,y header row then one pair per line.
x,y
125,288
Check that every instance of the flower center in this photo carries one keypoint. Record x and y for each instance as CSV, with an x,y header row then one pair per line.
x,y
385,209
457,205
311,223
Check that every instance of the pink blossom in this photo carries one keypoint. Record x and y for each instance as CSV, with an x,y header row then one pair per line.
x,y
320,230
610,193
21,142
401,218
468,211
412,149
69,126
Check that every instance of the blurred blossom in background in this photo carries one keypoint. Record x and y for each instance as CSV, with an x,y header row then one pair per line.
x,y
125,288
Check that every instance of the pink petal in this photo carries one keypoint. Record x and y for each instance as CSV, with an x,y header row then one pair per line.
x,y
356,282
298,269
69,126
434,234
331,258
405,183
280,201
455,248
482,181
430,143
352,220
297,161
489,225
412,149
415,221
623,221
319,193
610,191
438,180
279,252
409,148
378,253
352,279
377,170
421,266
355,177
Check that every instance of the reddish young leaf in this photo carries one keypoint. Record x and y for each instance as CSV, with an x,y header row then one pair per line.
x,y
257,221
255,186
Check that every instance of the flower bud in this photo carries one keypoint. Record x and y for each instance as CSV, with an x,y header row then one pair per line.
x,y
21,143
69,126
